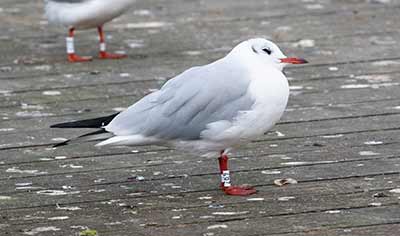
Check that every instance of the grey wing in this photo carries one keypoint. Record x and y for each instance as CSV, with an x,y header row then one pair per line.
x,y
185,105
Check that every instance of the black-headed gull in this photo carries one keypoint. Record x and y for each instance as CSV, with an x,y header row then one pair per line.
x,y
85,14
207,109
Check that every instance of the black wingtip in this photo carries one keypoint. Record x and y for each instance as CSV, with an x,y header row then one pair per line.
x,y
56,126
88,123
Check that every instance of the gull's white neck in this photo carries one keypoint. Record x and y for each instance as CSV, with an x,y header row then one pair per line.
x,y
269,88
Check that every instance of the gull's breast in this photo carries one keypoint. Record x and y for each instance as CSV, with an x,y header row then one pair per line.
x,y
271,95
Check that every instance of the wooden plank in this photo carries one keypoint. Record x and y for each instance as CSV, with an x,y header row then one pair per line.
x,y
194,202
185,175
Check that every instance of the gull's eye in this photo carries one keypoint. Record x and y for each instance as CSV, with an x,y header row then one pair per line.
x,y
267,50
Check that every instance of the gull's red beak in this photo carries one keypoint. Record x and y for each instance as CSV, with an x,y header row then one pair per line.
x,y
293,60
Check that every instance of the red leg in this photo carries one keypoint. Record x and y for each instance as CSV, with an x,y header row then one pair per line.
x,y
226,180
103,54
72,57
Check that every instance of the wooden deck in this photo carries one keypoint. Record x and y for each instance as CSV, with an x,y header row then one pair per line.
x,y
339,137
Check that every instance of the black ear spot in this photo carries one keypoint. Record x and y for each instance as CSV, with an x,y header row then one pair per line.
x,y
267,50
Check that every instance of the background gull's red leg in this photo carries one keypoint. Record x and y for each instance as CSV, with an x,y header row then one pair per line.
x,y
72,57
103,54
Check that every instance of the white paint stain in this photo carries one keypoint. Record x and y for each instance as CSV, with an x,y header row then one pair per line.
x,y
205,198
70,208
333,68
395,190
96,190
375,78
124,75
72,166
375,204
270,172
99,180
135,43
16,170
373,142
333,136
230,213
295,163
382,40
283,28
355,86
51,93
32,114
140,178
314,6
279,134
304,43
295,87
67,187
219,226
31,106
207,217
51,192
41,230
142,12
59,139
209,234
285,199
147,25
79,227
23,184
27,188
368,153
6,129
60,158
152,90
333,211
179,209
385,63
5,92
119,109
192,53
5,198
374,86
113,223
58,218
43,67
254,199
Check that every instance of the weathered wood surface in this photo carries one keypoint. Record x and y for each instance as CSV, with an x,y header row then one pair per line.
x,y
339,137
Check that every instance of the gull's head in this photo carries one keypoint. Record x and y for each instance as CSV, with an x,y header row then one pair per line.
x,y
266,52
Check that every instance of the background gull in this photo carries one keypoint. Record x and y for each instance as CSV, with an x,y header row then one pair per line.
x,y
85,14
207,110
